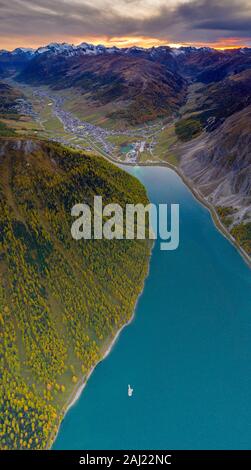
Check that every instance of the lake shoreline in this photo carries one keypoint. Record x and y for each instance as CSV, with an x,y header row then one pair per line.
x,y
200,198
77,392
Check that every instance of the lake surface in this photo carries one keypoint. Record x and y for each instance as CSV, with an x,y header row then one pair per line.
x,y
187,353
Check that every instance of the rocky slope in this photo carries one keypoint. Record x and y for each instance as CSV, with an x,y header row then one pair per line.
x,y
218,164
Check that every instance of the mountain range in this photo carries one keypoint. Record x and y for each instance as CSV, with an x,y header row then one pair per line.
x,y
149,83
62,303
205,92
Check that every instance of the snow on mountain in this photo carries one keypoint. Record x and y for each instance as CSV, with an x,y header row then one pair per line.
x,y
175,51
56,48
23,50
134,49
84,48
72,50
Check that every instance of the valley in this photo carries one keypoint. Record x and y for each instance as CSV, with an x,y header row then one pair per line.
x,y
183,142
48,112
67,114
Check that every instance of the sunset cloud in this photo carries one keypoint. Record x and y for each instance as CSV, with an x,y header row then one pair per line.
x,y
36,22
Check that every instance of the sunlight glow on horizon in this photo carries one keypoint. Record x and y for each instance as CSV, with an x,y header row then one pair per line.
x,y
122,42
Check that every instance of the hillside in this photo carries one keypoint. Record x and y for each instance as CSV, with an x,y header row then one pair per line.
x,y
8,99
186,106
144,89
218,164
142,84
13,62
215,102
61,301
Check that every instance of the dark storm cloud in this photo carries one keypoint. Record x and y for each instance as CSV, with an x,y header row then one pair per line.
x,y
197,20
230,19
212,15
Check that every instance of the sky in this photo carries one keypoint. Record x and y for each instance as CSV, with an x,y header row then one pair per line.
x,y
216,23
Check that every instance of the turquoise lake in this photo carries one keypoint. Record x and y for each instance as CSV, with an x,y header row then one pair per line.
x,y
187,353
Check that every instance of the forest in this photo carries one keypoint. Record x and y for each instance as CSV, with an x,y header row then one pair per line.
x,y
61,301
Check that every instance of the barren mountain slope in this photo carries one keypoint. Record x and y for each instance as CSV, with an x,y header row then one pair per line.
x,y
219,166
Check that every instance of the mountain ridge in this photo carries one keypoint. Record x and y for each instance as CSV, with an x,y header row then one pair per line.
x,y
61,301
202,91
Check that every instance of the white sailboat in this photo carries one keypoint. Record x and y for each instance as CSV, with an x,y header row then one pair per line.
x,y
130,391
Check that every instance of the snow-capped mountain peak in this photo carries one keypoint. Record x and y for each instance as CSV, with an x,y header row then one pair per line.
x,y
23,50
